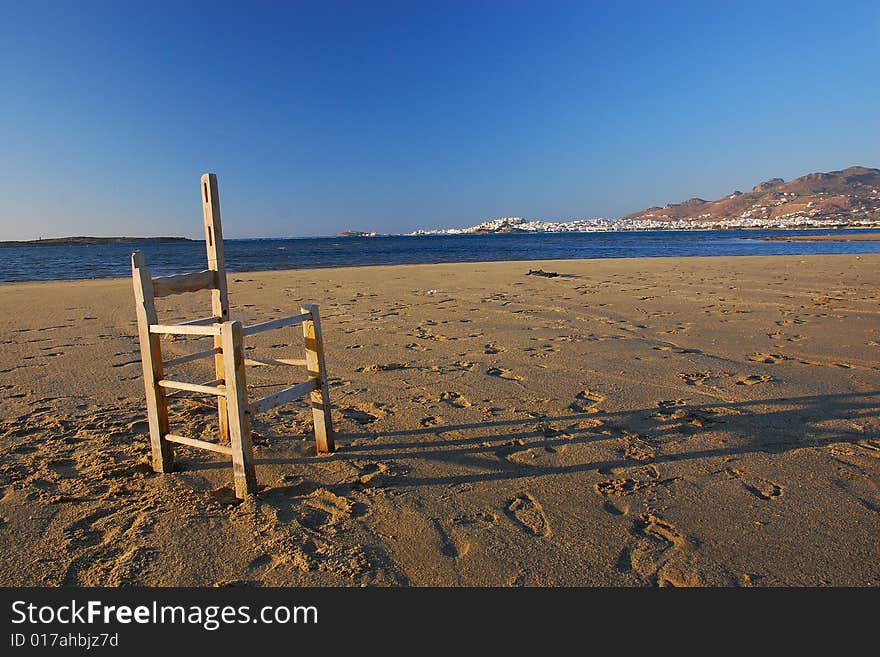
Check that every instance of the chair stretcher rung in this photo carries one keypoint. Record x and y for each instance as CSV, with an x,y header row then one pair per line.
x,y
201,444
219,391
276,324
283,396
184,329
200,322
275,361
189,357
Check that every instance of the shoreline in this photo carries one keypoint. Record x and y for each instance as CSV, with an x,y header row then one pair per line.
x,y
846,237
231,274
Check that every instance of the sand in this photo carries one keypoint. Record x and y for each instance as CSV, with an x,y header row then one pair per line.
x,y
681,421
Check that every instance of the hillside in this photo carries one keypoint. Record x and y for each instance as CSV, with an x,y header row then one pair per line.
x,y
839,197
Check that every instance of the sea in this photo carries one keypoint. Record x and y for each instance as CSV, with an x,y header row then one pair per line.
x,y
68,262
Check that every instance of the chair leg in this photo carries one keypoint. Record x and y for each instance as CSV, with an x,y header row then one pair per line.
x,y
319,398
219,297
151,361
237,410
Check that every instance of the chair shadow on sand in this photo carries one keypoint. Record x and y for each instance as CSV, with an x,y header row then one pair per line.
x,y
765,425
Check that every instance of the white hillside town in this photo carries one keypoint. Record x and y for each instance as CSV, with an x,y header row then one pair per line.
x,y
520,225
813,209
755,218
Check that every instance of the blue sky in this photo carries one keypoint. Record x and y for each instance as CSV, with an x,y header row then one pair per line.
x,y
392,116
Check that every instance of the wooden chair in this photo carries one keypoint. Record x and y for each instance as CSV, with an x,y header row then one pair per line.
x,y
230,385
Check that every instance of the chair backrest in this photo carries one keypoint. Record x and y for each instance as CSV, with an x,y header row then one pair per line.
x,y
214,245
213,278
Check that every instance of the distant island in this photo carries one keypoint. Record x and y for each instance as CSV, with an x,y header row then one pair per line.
x,y
356,233
68,241
838,199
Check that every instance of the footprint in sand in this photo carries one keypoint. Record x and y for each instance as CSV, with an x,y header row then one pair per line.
x,y
461,532
65,468
757,486
543,352
387,367
590,398
423,333
722,411
587,401
493,348
533,456
455,399
636,447
335,507
361,417
265,562
660,555
449,546
677,349
478,520
507,449
680,328
615,509
551,431
644,477
670,403
367,471
430,421
683,417
376,473
761,357
694,378
754,379
621,487
85,532
224,496
366,413
529,513
503,373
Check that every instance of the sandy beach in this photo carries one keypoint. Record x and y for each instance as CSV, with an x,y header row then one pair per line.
x,y
667,421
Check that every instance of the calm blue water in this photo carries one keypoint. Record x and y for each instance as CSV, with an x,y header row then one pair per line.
x,y
112,260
